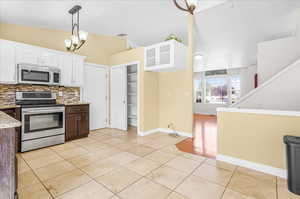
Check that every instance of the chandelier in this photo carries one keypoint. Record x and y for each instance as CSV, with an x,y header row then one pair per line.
x,y
188,5
78,37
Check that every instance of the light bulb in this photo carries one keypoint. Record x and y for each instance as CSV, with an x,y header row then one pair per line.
x,y
75,40
83,35
192,2
68,43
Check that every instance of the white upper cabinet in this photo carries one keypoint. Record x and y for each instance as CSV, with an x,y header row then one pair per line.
x,y
27,54
72,70
49,58
13,53
78,71
166,56
66,67
7,62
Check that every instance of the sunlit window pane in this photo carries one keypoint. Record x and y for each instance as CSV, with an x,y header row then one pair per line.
x,y
216,90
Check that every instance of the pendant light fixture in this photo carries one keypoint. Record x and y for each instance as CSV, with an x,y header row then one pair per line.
x,y
78,37
189,5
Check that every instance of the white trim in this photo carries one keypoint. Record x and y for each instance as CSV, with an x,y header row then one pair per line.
x,y
259,111
252,165
165,130
181,133
144,133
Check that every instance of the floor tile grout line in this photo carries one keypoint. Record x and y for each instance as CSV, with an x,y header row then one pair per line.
x,y
226,187
40,180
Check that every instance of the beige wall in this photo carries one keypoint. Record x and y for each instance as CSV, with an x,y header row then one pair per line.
x,y
255,137
148,87
98,48
175,96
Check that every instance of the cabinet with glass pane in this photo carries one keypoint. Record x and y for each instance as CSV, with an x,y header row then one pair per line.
x,y
166,56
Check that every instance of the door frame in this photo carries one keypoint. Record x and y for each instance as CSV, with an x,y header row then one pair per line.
x,y
82,92
138,63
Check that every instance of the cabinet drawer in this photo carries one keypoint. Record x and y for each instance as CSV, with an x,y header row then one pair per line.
x,y
77,109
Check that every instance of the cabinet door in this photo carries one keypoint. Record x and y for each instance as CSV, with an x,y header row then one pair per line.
x,y
49,58
71,126
164,56
151,57
27,54
7,62
83,125
66,67
78,72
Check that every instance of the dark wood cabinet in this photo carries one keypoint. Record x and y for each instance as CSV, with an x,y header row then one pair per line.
x,y
77,122
15,113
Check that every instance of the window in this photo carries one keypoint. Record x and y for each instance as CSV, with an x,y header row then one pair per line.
x,y
216,90
198,91
235,88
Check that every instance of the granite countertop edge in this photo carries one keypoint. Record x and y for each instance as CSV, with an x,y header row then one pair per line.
x,y
8,122
76,103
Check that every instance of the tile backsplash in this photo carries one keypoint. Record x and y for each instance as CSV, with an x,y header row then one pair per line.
x,y
8,93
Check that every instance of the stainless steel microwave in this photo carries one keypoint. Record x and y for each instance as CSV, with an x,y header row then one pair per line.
x,y
36,74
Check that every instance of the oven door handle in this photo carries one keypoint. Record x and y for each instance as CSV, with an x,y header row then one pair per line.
x,y
42,111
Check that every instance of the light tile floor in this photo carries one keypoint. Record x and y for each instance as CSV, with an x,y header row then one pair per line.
x,y
112,164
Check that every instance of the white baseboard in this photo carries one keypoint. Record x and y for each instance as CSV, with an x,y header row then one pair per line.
x,y
181,133
144,133
165,130
255,166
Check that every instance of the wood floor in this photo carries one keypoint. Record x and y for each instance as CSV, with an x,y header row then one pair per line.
x,y
204,142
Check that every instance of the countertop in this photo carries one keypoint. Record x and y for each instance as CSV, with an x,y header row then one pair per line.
x,y
76,103
2,107
8,122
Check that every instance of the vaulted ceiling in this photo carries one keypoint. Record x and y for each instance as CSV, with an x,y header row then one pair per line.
x,y
227,34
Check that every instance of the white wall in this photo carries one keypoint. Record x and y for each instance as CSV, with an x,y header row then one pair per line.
x,y
273,56
279,93
247,79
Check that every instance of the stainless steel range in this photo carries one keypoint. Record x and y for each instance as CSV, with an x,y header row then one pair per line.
x,y
43,120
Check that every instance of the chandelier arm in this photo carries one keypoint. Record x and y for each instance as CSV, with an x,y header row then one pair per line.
x,y
187,5
78,24
179,7
81,44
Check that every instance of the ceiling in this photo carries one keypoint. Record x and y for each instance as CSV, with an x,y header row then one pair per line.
x,y
227,34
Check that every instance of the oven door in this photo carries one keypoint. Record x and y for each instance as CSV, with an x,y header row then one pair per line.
x,y
42,122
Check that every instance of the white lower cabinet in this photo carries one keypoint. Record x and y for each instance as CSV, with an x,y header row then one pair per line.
x,y
7,62
12,53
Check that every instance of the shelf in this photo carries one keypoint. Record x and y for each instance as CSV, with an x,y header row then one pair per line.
x,y
132,83
132,94
132,74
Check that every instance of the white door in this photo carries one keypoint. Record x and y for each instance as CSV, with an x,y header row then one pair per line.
x,y
118,97
95,92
